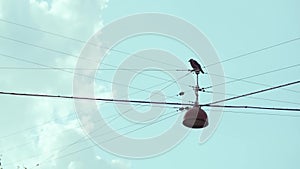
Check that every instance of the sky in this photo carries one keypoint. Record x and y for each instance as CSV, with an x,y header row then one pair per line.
x,y
261,36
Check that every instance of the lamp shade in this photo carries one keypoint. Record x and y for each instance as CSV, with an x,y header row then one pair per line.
x,y
195,118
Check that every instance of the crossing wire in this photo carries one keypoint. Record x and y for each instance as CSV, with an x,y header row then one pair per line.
x,y
126,53
248,77
252,93
255,51
57,51
154,102
77,74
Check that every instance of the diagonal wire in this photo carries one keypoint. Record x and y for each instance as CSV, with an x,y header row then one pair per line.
x,y
68,54
255,92
255,51
69,154
78,74
263,114
110,121
254,107
252,97
248,77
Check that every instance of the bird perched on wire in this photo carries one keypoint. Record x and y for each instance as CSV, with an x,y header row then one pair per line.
x,y
196,66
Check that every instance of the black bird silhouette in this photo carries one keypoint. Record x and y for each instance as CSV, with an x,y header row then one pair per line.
x,y
196,66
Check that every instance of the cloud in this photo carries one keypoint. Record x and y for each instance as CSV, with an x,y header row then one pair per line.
x,y
99,164
68,16
77,19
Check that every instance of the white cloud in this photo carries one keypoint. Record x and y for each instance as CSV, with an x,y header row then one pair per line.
x,y
100,164
73,18
120,164
68,16
102,92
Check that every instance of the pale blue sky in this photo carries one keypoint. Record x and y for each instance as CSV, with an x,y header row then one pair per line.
x,y
233,27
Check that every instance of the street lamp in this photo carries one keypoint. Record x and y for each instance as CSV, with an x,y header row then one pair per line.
x,y
195,117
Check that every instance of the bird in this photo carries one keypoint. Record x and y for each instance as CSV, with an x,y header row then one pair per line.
x,y
196,66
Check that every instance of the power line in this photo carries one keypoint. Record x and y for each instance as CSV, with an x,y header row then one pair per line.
x,y
209,105
77,74
247,81
95,78
65,53
83,139
76,56
81,41
134,93
235,79
256,92
251,97
127,53
116,137
249,113
112,117
102,69
261,114
256,51
57,51
108,140
105,102
69,154
95,99
38,125
116,116
84,75
241,79
248,77
153,102
254,107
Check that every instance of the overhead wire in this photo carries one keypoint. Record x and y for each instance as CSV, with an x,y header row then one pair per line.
x,y
254,107
72,115
252,93
116,137
111,65
95,99
110,121
8,135
130,94
69,54
102,69
241,79
260,113
6,150
85,42
82,42
77,74
252,97
149,102
163,88
211,104
256,75
204,89
119,129
117,116
255,51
